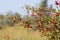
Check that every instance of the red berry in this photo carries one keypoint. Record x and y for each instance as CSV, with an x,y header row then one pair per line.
x,y
50,30
54,25
14,18
56,14
29,26
40,14
56,3
33,14
38,25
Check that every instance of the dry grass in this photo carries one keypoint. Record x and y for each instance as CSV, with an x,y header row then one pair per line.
x,y
19,33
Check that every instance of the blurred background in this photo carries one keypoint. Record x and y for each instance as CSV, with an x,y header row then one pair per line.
x,y
16,5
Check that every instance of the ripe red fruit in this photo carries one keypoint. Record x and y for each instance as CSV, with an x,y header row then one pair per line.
x,y
14,18
29,26
56,14
40,14
38,25
54,25
56,3
33,14
49,29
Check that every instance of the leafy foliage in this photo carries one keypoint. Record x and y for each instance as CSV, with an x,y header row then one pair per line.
x,y
46,20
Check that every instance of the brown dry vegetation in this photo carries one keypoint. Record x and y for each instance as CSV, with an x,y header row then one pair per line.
x,y
20,33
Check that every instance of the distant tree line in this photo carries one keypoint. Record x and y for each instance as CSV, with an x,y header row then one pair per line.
x,y
9,19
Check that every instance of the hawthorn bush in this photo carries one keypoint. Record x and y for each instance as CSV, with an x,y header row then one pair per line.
x,y
46,20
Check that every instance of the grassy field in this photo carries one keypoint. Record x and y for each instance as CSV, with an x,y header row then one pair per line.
x,y
19,33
